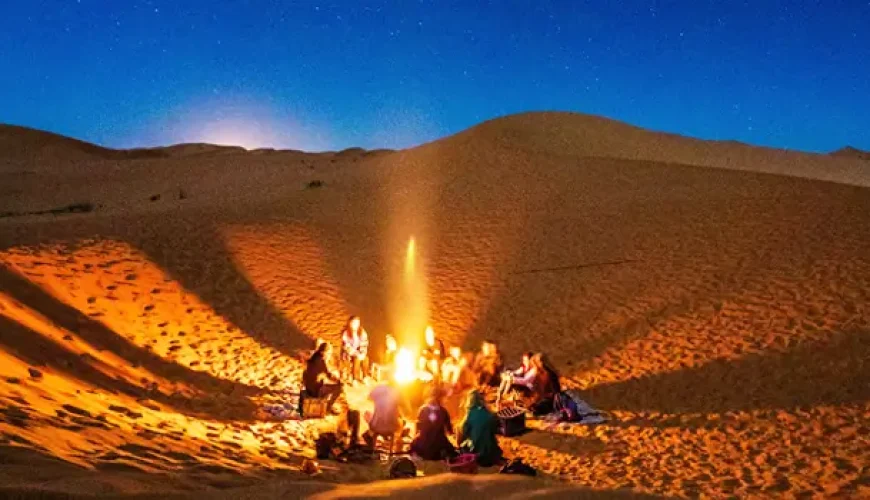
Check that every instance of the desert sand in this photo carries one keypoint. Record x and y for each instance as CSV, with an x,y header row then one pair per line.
x,y
712,297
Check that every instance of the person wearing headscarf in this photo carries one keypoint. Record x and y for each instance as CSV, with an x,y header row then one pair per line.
x,y
478,431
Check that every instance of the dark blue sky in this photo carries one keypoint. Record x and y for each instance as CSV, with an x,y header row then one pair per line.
x,y
317,75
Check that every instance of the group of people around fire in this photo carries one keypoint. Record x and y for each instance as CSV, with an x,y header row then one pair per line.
x,y
449,373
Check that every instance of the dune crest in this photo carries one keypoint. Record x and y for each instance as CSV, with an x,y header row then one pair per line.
x,y
851,153
580,135
23,144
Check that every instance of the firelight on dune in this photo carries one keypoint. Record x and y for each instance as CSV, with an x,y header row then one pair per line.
x,y
410,259
412,315
410,305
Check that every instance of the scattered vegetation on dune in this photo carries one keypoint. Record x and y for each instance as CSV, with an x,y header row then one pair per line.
x,y
73,208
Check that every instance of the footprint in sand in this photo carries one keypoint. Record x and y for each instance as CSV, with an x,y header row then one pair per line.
x,y
74,410
125,411
15,416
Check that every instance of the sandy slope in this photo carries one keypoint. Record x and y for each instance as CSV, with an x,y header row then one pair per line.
x,y
721,316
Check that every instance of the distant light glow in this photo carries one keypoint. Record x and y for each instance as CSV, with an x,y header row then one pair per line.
x,y
249,122
248,134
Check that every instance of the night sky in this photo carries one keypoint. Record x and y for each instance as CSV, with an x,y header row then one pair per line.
x,y
329,75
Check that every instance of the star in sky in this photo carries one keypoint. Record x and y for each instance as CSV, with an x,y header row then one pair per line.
x,y
117,73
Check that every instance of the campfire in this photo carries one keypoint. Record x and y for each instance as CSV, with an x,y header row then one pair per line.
x,y
405,367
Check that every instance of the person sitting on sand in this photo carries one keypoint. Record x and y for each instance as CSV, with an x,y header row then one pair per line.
x,y
489,365
545,386
348,347
387,365
468,376
552,372
451,367
521,380
316,375
390,349
328,357
363,355
478,431
355,346
433,428
386,419
434,353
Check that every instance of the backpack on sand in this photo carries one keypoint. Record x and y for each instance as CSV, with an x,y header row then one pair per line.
x,y
566,407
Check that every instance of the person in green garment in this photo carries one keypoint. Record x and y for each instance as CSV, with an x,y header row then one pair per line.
x,y
477,434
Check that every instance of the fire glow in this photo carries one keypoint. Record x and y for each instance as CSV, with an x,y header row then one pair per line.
x,y
408,366
405,369
410,309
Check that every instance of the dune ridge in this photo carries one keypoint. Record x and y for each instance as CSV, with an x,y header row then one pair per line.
x,y
850,152
575,134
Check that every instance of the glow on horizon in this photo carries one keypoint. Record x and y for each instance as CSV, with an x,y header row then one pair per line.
x,y
251,123
249,134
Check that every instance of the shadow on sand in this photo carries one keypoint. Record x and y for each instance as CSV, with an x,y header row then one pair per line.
x,y
811,374
40,351
441,486
194,253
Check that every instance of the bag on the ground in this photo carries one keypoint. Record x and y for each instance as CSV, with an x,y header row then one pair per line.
x,y
516,466
465,463
571,408
566,407
355,455
324,445
402,468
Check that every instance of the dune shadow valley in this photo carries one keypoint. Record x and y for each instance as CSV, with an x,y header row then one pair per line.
x,y
712,297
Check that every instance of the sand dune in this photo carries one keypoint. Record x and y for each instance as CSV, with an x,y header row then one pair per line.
x,y
719,314
40,171
22,144
574,134
851,153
